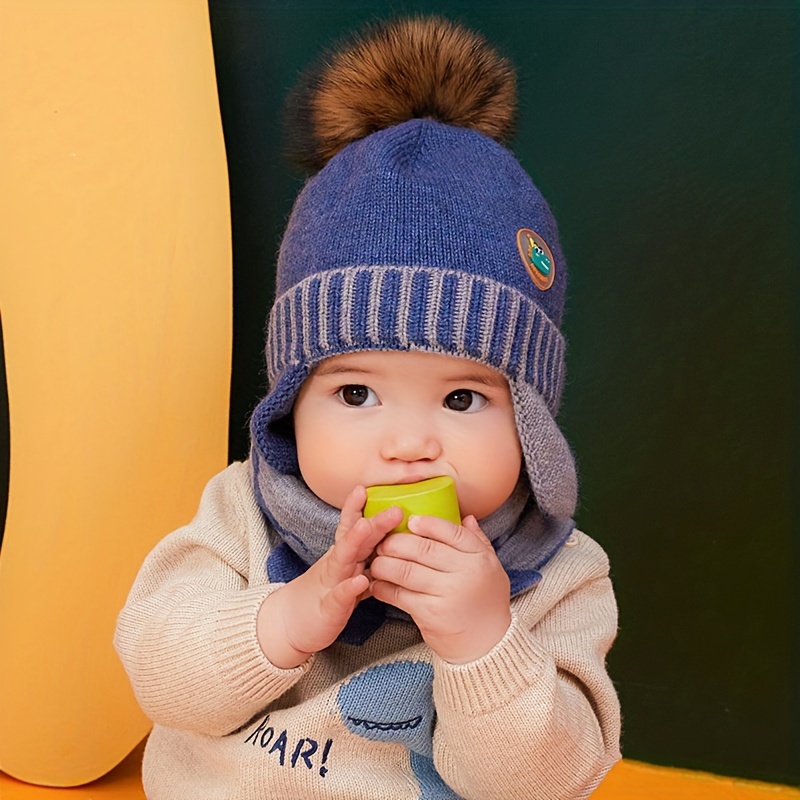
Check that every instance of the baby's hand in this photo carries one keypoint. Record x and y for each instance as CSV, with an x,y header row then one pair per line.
x,y
308,613
449,579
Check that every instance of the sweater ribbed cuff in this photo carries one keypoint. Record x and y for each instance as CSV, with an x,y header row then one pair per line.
x,y
514,664
236,651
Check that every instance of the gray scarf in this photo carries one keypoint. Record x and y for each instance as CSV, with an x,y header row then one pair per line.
x,y
523,538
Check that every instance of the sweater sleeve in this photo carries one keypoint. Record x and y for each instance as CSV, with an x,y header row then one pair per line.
x,y
537,718
187,633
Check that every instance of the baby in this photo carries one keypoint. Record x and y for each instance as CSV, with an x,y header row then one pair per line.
x,y
284,645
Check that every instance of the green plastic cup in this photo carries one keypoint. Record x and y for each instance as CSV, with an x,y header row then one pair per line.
x,y
435,497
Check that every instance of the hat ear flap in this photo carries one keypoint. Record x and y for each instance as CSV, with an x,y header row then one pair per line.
x,y
548,458
271,433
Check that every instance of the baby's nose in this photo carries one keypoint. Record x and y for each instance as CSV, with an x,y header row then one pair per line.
x,y
411,442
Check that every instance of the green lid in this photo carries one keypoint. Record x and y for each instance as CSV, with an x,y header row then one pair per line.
x,y
435,497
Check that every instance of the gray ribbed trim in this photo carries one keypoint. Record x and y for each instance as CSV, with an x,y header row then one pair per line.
x,y
402,308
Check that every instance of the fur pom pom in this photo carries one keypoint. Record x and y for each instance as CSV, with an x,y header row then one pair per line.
x,y
401,70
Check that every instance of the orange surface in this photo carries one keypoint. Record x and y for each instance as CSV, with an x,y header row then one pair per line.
x,y
629,780
632,780
123,782
115,283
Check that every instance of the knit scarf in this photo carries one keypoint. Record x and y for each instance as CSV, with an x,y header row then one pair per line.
x,y
523,538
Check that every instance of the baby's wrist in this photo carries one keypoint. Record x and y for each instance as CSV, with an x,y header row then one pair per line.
x,y
272,637
474,645
286,657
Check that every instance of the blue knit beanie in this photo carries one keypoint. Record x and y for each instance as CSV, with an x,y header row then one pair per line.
x,y
426,234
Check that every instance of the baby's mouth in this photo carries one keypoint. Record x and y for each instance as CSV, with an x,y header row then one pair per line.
x,y
418,478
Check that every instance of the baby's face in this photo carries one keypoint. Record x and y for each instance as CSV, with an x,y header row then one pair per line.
x,y
373,418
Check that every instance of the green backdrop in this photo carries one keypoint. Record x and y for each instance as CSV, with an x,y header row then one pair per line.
x,y
663,137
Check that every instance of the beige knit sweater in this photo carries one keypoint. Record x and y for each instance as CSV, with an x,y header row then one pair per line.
x,y
537,717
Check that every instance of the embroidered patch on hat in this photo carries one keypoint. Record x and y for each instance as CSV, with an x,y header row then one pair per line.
x,y
537,257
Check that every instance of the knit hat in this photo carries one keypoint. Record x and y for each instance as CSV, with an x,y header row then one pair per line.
x,y
420,231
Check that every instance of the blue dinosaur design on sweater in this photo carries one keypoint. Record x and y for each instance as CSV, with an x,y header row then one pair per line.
x,y
394,703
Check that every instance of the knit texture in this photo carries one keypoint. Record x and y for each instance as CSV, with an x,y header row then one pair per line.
x,y
407,240
537,717
423,236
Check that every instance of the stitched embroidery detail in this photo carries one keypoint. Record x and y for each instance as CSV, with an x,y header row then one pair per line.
x,y
537,258
394,703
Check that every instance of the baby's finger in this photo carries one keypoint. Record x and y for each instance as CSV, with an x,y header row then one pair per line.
x,y
410,575
341,599
393,594
459,537
420,549
472,524
351,511
357,544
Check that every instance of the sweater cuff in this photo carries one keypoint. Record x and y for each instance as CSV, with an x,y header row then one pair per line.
x,y
513,665
242,664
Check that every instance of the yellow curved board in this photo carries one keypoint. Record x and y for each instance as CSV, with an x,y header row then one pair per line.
x,y
115,294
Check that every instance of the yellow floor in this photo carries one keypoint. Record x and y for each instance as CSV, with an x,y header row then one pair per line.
x,y
629,780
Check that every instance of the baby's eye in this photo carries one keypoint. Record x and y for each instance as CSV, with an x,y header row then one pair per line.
x,y
355,394
465,400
